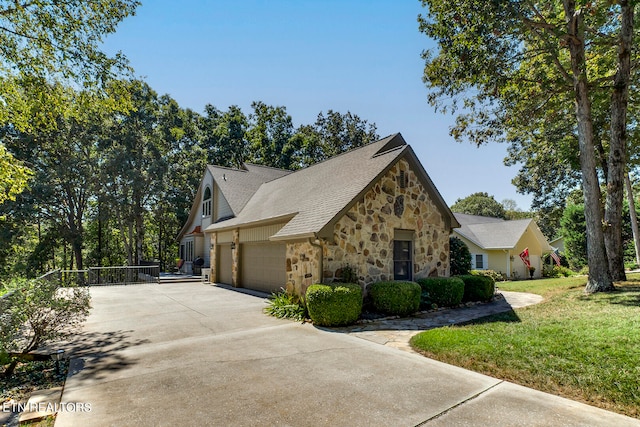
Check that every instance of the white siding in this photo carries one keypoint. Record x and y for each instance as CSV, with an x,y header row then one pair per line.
x,y
259,234
221,207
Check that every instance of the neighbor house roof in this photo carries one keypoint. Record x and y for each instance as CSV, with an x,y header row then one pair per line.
x,y
311,200
496,233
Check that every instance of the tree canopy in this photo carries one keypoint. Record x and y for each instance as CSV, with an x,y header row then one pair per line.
x,y
44,43
552,79
481,204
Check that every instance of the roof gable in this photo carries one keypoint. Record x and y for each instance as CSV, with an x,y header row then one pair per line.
x,y
239,185
311,198
496,233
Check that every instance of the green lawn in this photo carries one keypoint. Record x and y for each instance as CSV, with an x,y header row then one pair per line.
x,y
584,347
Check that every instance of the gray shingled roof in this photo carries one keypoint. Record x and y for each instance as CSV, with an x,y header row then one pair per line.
x,y
492,233
315,196
238,185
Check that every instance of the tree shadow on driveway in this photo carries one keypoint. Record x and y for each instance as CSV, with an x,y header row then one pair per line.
x,y
97,353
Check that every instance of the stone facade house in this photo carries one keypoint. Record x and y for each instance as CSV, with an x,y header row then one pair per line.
x,y
373,209
496,244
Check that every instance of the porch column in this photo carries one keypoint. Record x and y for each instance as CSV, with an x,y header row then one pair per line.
x,y
213,258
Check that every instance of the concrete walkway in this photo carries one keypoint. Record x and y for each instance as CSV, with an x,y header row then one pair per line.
x,y
397,332
187,354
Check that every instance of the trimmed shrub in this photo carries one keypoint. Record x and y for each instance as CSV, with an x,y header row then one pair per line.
x,y
396,298
443,291
334,305
477,288
495,275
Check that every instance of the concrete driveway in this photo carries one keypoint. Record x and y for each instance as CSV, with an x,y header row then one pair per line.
x,y
187,354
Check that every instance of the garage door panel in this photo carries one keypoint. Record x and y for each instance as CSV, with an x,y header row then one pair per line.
x,y
224,264
263,266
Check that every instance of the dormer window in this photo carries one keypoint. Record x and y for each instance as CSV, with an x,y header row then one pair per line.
x,y
206,202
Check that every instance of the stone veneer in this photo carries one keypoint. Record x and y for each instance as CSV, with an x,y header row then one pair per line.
x,y
363,237
303,266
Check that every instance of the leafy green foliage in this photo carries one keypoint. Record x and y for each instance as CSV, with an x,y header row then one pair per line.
x,y
478,288
13,176
36,312
396,298
334,305
575,239
496,276
481,204
285,305
348,274
460,257
443,291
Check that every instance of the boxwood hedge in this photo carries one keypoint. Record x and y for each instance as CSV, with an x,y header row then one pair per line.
x,y
334,305
397,297
478,288
442,291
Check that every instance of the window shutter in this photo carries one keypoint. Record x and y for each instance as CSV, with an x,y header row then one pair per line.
x,y
473,261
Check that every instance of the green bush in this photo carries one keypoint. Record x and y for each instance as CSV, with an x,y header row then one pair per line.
x,y
285,305
495,275
443,291
397,298
460,256
555,271
334,305
477,288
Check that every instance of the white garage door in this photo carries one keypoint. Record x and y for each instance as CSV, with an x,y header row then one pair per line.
x,y
263,266
224,264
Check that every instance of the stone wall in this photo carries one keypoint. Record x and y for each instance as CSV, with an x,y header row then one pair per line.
x,y
363,237
303,266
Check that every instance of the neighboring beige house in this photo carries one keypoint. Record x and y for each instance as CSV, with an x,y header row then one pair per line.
x,y
496,244
373,208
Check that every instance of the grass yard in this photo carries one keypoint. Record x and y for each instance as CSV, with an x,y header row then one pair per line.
x,y
583,347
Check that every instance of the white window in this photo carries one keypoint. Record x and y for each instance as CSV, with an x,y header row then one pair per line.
x,y
479,262
206,202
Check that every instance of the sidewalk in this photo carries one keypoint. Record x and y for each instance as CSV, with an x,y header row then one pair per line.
x,y
397,332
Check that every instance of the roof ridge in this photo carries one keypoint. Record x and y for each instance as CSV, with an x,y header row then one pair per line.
x,y
268,167
351,150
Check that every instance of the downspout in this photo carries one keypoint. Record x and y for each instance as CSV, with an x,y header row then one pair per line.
x,y
320,246
508,264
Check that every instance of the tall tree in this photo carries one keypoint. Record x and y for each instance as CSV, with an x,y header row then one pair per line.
x,y
331,135
270,136
134,166
224,136
481,204
514,65
42,41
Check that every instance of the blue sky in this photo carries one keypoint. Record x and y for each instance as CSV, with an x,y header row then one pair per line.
x,y
310,56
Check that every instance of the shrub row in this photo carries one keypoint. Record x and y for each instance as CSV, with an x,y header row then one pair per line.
x,y
340,304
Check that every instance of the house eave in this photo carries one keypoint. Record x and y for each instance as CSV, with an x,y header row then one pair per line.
x,y
258,223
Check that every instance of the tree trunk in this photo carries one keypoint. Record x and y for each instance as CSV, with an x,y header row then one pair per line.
x,y
139,237
633,217
599,277
617,161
